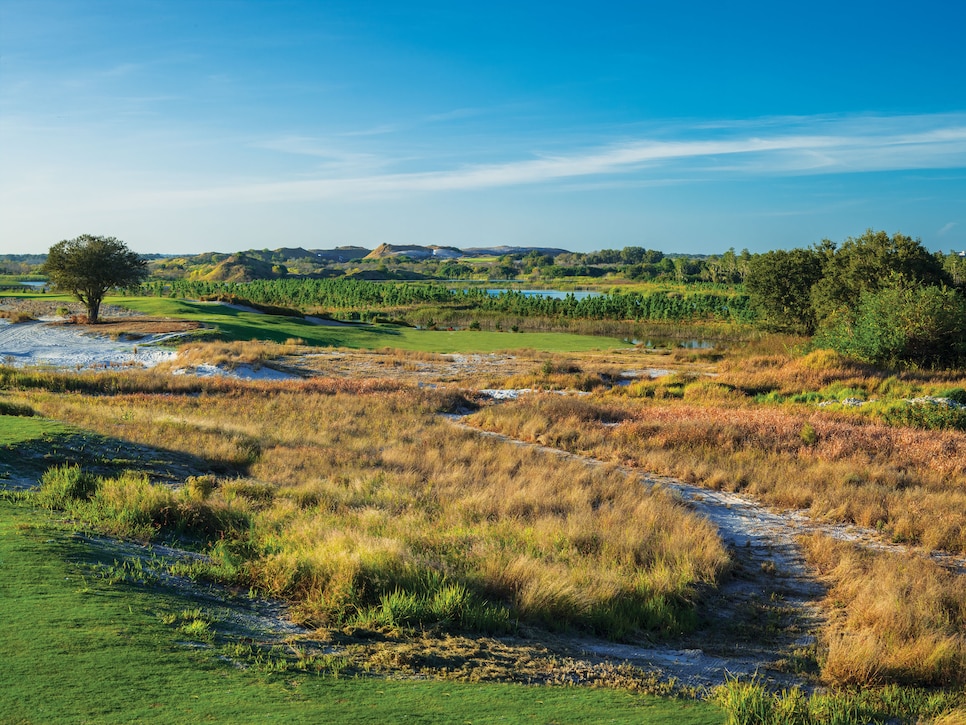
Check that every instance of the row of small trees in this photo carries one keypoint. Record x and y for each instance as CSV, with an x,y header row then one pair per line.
x,y
879,299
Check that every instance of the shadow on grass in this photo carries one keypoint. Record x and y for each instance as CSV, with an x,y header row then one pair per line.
x,y
25,462
235,324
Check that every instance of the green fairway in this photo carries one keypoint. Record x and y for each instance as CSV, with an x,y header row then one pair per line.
x,y
27,444
15,429
77,648
239,325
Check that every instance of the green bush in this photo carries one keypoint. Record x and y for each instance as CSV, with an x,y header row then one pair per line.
x,y
957,395
900,324
62,486
926,415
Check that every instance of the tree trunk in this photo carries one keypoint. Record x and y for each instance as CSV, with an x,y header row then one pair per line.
x,y
93,309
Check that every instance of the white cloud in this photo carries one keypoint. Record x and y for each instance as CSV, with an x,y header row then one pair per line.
x,y
768,148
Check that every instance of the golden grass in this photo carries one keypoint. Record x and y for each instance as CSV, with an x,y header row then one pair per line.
x,y
898,619
371,491
909,483
895,618
230,354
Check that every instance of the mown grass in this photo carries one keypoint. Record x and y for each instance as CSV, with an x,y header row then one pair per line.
x,y
234,324
77,647
26,442
19,429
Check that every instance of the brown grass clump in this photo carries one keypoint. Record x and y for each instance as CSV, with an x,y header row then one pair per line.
x,y
136,326
895,618
229,354
909,483
17,317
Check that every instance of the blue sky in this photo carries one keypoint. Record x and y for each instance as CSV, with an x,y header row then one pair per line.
x,y
686,127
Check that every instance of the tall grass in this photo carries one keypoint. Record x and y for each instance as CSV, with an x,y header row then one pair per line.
x,y
130,506
900,620
749,702
363,506
907,482
896,618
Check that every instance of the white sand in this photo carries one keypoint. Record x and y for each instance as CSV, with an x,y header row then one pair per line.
x,y
69,347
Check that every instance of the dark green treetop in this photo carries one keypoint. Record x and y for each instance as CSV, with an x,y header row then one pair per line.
x,y
88,266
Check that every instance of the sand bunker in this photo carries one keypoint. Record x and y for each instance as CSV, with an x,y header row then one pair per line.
x,y
72,347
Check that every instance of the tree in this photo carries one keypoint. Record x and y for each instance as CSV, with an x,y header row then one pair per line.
x,y
89,266
901,322
779,284
868,264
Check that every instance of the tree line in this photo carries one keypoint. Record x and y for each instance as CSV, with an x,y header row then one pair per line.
x,y
354,294
877,298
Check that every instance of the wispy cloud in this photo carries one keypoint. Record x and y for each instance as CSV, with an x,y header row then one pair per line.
x,y
946,228
793,148
455,115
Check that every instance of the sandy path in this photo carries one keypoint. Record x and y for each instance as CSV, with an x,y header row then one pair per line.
x,y
770,582
768,608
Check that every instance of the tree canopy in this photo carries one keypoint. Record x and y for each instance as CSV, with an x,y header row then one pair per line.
x,y
876,298
88,266
870,263
779,284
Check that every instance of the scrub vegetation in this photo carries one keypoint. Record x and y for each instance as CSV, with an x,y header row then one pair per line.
x,y
384,514
897,618
84,639
346,493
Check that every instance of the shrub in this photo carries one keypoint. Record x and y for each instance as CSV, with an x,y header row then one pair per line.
x,y
808,435
900,324
199,488
61,486
926,414
22,411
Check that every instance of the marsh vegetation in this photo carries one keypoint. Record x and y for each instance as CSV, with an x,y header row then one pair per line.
x,y
409,544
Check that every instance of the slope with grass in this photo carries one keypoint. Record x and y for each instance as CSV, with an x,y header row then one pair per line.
x,y
235,324
81,646
701,431
356,491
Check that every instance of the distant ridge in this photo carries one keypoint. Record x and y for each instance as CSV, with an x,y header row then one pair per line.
x,y
503,250
241,265
414,251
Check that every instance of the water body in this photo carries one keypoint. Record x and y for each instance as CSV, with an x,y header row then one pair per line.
x,y
650,344
551,293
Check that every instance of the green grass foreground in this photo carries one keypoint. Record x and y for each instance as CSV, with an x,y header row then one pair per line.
x,y
76,648
15,429
239,325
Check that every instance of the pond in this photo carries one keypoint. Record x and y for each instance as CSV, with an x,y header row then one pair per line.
x,y
551,293
693,344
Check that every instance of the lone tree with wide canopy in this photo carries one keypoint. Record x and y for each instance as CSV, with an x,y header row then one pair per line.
x,y
89,266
